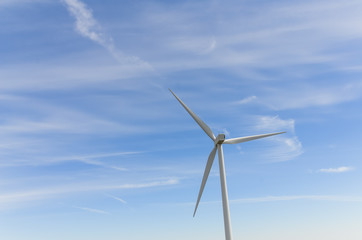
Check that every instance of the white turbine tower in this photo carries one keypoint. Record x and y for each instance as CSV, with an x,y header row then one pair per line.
x,y
218,141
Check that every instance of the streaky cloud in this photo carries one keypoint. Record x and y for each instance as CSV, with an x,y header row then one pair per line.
x,y
19,2
286,147
309,95
246,100
336,170
273,123
334,198
299,197
88,26
53,192
93,210
117,198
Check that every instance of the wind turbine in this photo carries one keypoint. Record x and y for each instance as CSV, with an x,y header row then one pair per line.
x,y
218,141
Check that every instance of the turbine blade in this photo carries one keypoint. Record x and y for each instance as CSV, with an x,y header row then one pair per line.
x,y
203,125
206,175
246,139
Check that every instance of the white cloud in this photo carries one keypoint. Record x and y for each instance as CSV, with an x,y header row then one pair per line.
x,y
287,149
335,198
117,198
299,197
90,158
63,121
36,138
198,45
87,159
20,2
304,95
93,210
285,146
71,73
88,26
274,123
45,161
336,170
273,37
246,100
61,191
212,46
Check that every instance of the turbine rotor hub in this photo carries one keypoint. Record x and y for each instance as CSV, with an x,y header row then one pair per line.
x,y
220,139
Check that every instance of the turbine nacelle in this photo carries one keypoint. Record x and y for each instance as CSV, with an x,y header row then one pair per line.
x,y
220,139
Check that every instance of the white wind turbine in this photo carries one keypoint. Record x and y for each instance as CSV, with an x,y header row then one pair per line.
x,y
218,141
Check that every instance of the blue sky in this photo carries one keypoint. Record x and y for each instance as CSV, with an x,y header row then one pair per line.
x,y
94,146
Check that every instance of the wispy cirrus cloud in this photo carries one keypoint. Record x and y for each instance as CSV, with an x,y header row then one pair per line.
x,y
334,198
89,27
18,2
64,75
273,37
299,197
95,159
336,170
287,146
304,95
274,123
92,159
117,198
61,191
278,42
36,140
246,100
92,210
